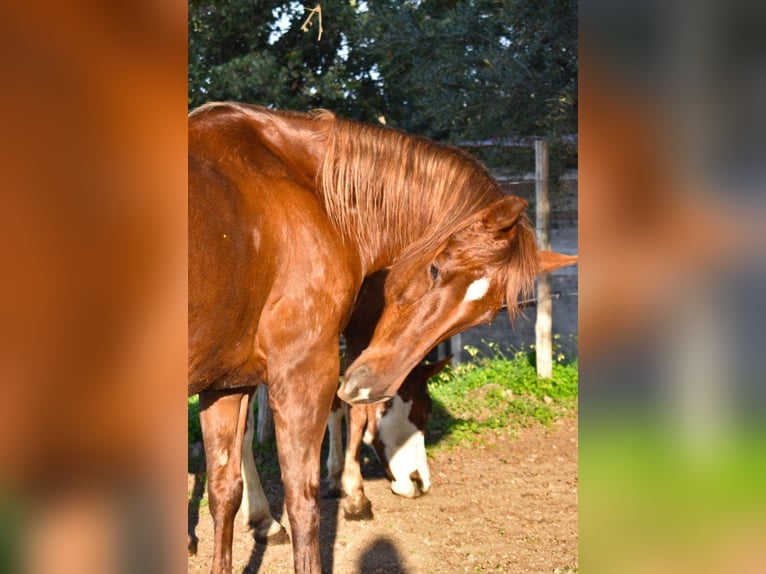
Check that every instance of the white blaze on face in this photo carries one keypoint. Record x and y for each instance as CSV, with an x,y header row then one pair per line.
x,y
404,447
477,290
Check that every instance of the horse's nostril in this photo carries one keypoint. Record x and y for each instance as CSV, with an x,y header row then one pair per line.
x,y
352,389
357,377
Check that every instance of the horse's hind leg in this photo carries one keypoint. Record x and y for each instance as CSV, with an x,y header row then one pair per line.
x,y
223,417
255,505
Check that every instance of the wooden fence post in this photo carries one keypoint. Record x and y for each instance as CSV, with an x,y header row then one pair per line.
x,y
543,347
265,426
456,348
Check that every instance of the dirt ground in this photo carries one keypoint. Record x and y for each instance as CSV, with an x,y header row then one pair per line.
x,y
508,506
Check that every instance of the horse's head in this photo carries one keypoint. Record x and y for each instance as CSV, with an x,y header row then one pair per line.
x,y
441,288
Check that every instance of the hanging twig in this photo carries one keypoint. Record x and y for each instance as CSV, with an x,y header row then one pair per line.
x,y
316,10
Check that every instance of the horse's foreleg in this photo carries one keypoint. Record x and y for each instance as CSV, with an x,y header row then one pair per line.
x,y
356,505
255,505
300,417
223,417
335,454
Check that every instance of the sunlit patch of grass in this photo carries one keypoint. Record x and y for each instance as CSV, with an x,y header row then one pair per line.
x,y
498,391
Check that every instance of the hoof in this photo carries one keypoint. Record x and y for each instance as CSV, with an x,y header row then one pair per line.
x,y
276,539
191,547
361,511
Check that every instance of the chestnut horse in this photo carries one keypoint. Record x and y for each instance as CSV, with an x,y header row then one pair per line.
x,y
288,213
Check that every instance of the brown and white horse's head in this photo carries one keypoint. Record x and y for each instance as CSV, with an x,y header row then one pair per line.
x,y
442,288
396,430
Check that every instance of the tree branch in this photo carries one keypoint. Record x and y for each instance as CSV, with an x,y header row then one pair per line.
x,y
316,10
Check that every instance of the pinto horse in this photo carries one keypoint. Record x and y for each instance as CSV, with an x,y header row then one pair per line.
x,y
395,428
396,431
288,213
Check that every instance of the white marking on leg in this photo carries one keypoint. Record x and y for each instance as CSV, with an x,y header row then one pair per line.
x,y
223,457
255,506
477,290
351,480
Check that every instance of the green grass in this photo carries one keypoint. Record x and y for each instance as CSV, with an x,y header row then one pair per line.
x,y
498,392
194,430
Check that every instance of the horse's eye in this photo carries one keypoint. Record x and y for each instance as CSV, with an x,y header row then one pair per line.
x,y
434,272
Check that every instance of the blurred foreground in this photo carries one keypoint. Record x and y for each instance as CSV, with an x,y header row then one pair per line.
x,y
672,141
93,295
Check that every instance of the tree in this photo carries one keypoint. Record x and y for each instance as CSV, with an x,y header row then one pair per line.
x,y
256,52
460,69
478,68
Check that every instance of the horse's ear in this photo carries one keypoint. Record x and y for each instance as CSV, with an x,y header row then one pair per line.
x,y
550,261
435,368
503,213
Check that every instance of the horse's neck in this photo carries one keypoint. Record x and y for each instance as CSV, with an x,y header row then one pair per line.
x,y
381,246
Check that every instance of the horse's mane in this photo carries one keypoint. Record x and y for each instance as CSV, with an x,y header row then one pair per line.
x,y
384,187
383,184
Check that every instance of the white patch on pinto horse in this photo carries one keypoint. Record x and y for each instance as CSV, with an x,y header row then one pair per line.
x,y
477,290
255,509
404,447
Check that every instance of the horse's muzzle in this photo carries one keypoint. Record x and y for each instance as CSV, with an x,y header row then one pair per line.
x,y
357,388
